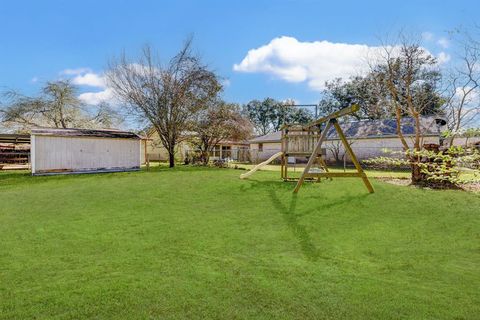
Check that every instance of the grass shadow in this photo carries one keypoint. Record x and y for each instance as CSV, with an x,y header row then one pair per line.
x,y
299,231
291,216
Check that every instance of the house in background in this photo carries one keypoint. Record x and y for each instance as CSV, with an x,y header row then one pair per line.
x,y
368,138
155,151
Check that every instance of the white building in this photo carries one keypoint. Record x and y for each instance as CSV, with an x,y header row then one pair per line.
x,y
155,151
369,138
55,151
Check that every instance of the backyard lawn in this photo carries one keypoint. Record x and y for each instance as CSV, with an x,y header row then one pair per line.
x,y
201,243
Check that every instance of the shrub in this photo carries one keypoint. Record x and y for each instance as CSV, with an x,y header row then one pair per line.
x,y
439,168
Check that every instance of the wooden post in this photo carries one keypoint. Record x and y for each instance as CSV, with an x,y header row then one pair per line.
x,y
147,161
145,141
312,158
352,156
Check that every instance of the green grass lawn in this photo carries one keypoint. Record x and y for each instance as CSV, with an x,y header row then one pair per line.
x,y
465,173
201,243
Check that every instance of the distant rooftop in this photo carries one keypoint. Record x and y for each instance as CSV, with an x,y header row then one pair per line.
x,y
364,129
73,132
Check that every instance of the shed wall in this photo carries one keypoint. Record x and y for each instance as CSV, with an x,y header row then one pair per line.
x,y
79,154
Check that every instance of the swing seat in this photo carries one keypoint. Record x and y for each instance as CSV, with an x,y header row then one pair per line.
x,y
316,170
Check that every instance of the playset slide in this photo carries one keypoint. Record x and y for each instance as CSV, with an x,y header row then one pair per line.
x,y
260,165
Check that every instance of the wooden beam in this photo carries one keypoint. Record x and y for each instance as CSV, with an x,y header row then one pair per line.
x,y
349,150
312,158
340,113
298,153
335,174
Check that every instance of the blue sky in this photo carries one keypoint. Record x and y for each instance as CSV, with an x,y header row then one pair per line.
x,y
42,39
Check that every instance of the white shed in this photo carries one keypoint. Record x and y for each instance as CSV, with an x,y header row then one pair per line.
x,y
84,150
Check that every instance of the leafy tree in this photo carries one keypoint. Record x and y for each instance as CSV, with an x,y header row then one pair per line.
x,y
57,106
261,114
221,121
298,115
366,92
371,93
270,115
168,96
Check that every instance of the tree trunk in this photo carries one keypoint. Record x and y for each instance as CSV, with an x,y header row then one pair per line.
x,y
171,159
420,178
338,161
417,175
205,157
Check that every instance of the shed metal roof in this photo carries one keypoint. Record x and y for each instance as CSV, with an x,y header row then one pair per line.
x,y
74,132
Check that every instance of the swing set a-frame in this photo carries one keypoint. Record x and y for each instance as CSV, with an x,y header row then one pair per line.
x,y
306,141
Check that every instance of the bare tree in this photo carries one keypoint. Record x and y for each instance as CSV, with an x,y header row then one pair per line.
x,y
462,104
220,122
168,96
410,74
58,106
338,151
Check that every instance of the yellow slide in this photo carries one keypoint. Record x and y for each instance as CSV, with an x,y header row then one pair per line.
x,y
260,165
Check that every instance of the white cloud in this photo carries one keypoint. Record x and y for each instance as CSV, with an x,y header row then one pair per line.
x,y
443,57
34,80
85,77
443,42
89,79
77,71
313,62
94,98
427,36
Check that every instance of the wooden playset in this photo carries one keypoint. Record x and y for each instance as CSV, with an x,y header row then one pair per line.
x,y
306,141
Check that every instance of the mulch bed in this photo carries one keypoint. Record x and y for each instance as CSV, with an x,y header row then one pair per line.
x,y
471,187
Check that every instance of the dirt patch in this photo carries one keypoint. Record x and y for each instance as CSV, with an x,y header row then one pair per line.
x,y
395,181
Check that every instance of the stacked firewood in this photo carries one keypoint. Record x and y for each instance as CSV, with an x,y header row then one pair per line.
x,y
14,154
